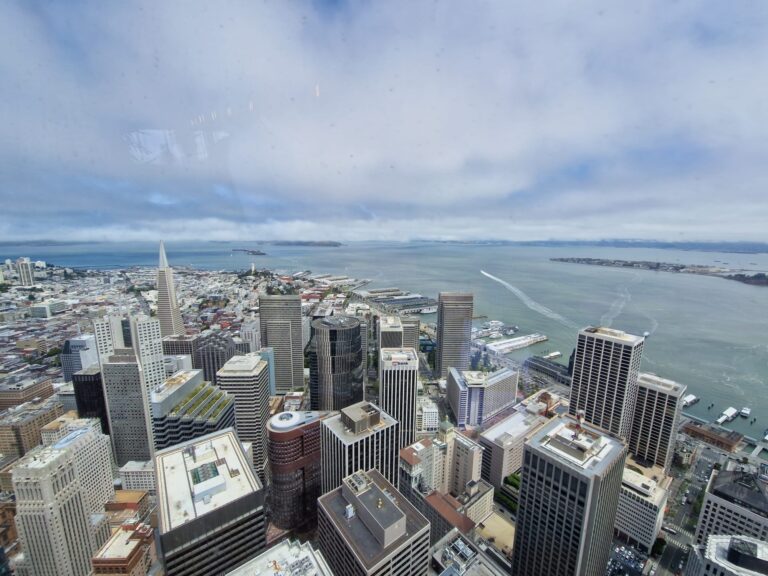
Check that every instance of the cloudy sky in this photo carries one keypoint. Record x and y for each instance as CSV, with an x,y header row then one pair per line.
x,y
384,120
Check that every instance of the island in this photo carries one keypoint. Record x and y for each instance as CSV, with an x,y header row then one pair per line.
x,y
754,279
311,243
250,251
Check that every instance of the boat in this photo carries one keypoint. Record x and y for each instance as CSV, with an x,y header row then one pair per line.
x,y
689,400
728,415
552,355
745,412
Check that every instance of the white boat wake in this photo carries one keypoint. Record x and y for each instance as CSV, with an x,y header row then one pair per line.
x,y
530,303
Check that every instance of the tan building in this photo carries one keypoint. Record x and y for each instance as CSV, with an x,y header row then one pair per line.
x,y
130,552
15,391
20,427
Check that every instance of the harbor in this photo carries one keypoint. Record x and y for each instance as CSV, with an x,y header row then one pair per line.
x,y
512,344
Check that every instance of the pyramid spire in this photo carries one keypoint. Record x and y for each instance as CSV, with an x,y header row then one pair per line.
x,y
163,258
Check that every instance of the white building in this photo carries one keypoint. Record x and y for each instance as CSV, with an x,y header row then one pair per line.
x,y
360,437
247,379
108,331
293,558
735,502
26,272
136,475
250,331
504,443
729,556
642,501
398,382
78,353
477,396
58,527
427,415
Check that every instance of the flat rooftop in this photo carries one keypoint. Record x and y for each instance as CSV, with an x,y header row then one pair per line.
x,y
612,334
284,421
478,378
390,323
122,543
335,424
664,385
363,544
287,559
719,548
199,476
585,447
399,356
138,466
27,411
170,385
512,427
741,485
243,365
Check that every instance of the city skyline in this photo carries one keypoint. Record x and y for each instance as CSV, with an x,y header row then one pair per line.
x,y
594,121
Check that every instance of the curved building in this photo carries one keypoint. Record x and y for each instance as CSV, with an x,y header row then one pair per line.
x,y
338,362
294,460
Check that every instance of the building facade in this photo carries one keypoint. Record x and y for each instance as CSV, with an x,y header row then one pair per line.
x,y
168,312
339,362
361,436
280,323
89,395
729,555
78,353
640,513
454,331
398,388
477,396
569,491
605,371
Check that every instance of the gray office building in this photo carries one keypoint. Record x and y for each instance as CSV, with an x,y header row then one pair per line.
x,y
281,330
214,349
366,527
78,353
454,331
569,493
338,367
605,371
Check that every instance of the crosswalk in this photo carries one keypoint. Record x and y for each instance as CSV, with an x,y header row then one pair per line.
x,y
681,531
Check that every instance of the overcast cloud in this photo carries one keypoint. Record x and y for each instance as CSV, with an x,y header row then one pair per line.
x,y
384,120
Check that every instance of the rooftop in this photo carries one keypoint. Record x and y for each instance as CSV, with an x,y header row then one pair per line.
x,y
28,411
399,356
383,505
288,558
246,364
138,466
742,555
339,322
173,383
615,335
123,542
478,378
285,421
390,323
516,425
741,485
362,413
664,385
580,446
199,476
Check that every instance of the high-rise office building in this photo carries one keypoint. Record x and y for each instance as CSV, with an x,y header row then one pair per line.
x,y
361,436
735,502
247,379
642,501
182,345
390,332
398,382
477,396
167,306
280,324
454,331
108,331
569,491
26,271
655,420
89,395
729,555
250,331
339,361
186,407
58,529
148,345
127,399
605,370
211,506
293,557
214,349
366,527
294,461
411,330
78,353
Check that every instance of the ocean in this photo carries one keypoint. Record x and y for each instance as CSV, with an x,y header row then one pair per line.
x,y
708,333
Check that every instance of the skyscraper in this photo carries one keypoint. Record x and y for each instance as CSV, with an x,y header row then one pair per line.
x,y
360,437
108,331
26,271
247,379
476,396
280,324
367,527
454,331
213,349
148,345
89,395
128,407
250,331
605,373
655,420
569,492
167,307
339,362
294,461
78,353
398,382
411,328
54,515
390,332
211,506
